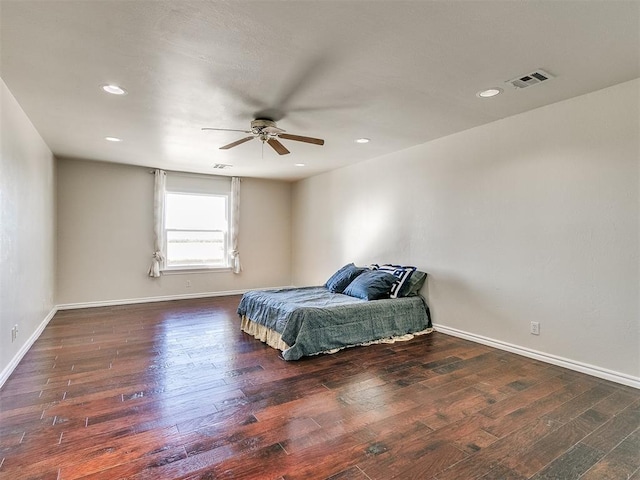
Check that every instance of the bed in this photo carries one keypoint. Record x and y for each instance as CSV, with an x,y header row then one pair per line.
x,y
311,320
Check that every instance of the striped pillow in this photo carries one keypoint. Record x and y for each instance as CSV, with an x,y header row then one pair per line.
x,y
402,274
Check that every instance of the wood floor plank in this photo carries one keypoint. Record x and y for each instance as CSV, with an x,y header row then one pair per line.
x,y
621,462
571,465
579,404
174,390
500,472
616,429
352,473
554,445
533,407
486,459
438,457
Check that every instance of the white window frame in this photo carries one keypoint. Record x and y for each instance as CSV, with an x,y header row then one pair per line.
x,y
200,188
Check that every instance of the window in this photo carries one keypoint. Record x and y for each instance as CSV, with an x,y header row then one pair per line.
x,y
196,230
196,222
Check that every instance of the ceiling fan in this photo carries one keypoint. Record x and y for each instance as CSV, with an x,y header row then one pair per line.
x,y
267,131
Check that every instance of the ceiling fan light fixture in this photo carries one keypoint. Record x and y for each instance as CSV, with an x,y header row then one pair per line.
x,y
490,92
113,89
363,140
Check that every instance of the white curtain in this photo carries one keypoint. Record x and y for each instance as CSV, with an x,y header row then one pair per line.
x,y
234,225
158,222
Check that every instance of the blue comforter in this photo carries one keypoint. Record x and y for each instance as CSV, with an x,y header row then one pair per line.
x,y
313,320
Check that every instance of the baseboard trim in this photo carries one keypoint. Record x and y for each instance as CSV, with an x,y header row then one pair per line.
x,y
592,370
163,298
8,370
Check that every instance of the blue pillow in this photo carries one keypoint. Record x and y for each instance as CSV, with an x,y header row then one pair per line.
x,y
342,278
402,274
371,285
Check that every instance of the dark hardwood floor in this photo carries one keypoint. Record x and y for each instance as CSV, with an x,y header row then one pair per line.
x,y
175,390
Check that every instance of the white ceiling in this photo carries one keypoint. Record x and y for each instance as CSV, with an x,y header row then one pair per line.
x,y
400,73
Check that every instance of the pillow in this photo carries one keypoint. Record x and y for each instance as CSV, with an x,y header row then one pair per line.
x,y
416,281
371,285
342,278
402,274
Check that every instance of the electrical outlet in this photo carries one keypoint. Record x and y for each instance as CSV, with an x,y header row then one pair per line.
x,y
535,328
14,333
188,284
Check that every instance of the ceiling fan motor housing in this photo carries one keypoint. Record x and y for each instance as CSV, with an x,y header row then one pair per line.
x,y
265,128
260,123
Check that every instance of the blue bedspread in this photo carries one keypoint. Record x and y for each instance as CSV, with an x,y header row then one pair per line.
x,y
313,320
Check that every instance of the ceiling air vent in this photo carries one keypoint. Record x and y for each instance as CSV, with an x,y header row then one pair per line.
x,y
221,166
530,79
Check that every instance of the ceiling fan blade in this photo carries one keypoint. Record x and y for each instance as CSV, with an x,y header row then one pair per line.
x,y
236,143
298,138
277,146
226,130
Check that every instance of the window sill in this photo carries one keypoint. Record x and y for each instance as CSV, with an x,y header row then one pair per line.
x,y
189,270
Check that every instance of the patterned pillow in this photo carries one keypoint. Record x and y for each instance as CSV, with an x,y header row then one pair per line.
x,y
342,278
402,274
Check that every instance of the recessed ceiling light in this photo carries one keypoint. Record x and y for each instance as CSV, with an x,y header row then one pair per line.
x,y
490,92
363,140
114,89
113,139
299,164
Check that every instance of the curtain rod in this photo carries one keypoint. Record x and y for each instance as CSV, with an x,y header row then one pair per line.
x,y
193,174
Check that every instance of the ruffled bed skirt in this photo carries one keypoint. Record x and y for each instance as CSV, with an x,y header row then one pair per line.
x,y
274,339
264,334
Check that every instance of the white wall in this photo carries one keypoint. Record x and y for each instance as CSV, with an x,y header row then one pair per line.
x,y
27,223
532,218
105,237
